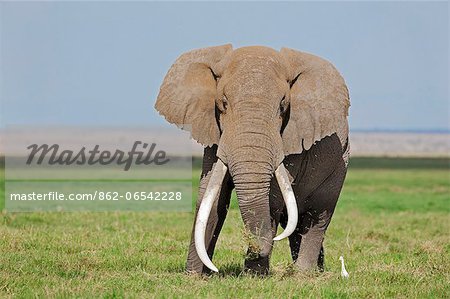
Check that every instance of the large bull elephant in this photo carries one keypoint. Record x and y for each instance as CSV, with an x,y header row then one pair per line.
x,y
274,126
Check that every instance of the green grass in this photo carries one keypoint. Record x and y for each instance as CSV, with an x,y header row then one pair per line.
x,y
392,225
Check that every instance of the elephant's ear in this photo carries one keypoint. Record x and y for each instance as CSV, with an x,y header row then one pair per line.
x,y
187,94
319,102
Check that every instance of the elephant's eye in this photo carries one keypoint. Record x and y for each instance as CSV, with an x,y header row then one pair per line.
x,y
216,77
283,105
223,104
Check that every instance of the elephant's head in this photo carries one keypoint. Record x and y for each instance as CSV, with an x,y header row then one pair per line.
x,y
257,105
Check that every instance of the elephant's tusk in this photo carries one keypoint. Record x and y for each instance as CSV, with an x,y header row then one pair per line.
x,y
289,199
212,190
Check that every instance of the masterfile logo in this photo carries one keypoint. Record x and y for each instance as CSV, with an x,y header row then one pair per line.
x,y
147,156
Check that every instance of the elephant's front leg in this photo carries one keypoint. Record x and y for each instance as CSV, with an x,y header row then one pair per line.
x,y
217,216
317,217
294,243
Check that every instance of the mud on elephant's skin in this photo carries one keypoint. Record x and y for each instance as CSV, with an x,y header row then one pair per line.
x,y
274,127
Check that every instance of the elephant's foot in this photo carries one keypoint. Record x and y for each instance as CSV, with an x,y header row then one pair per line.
x,y
198,269
311,254
258,265
309,265
194,267
311,262
304,265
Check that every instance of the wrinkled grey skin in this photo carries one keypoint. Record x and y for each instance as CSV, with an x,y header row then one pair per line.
x,y
252,89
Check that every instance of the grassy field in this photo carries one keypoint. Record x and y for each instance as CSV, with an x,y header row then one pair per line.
x,y
392,226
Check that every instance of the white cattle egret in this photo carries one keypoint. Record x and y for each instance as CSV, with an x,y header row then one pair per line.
x,y
344,272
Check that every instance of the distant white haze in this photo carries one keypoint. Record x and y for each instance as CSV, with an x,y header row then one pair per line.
x,y
400,144
173,140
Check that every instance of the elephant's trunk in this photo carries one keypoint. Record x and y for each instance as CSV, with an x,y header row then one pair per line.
x,y
252,154
251,169
252,190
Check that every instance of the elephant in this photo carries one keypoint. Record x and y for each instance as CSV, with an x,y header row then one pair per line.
x,y
274,128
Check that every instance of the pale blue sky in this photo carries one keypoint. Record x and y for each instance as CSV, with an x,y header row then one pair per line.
x,y
101,63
